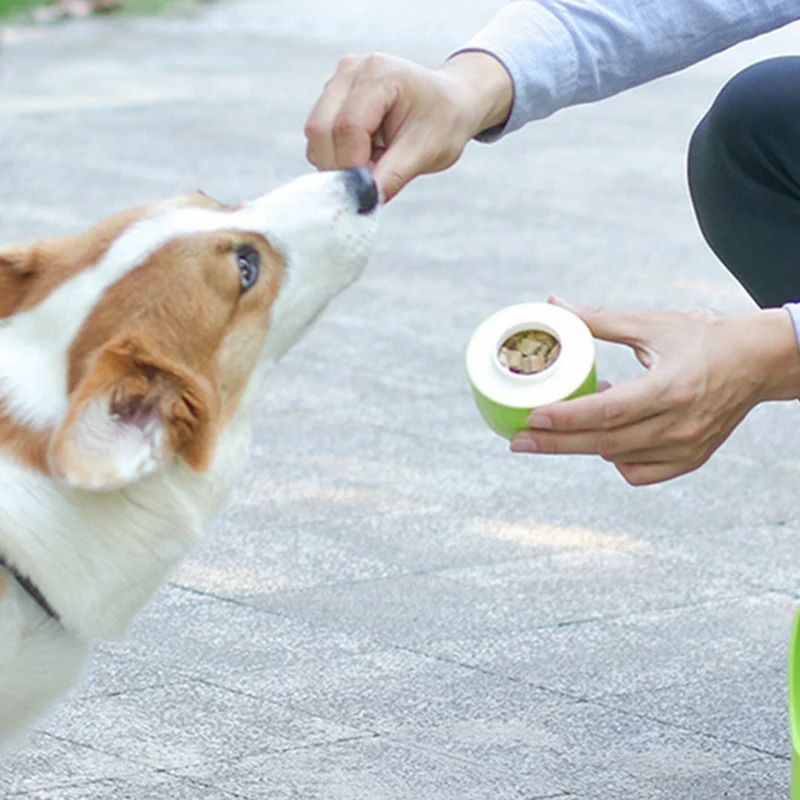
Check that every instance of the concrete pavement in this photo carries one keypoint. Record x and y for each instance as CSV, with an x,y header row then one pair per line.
x,y
392,606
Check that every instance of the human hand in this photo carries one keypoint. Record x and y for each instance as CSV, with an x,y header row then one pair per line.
x,y
403,120
705,372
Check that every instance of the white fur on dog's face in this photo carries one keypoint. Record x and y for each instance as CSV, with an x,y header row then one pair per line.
x,y
326,244
113,366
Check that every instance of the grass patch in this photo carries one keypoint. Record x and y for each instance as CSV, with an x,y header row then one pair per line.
x,y
9,8
149,8
17,8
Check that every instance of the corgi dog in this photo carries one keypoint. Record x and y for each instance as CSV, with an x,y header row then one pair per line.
x,y
132,356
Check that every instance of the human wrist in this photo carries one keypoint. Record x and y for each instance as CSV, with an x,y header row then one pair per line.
x,y
769,345
484,86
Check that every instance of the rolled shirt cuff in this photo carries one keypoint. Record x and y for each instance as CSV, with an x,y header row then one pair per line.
x,y
510,36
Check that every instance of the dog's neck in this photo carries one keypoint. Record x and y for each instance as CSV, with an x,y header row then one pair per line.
x,y
99,556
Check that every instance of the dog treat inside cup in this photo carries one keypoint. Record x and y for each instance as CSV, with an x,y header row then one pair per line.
x,y
528,352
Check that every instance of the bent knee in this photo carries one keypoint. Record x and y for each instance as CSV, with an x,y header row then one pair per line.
x,y
758,110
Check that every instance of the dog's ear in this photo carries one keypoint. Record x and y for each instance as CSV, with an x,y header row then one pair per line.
x,y
131,415
17,265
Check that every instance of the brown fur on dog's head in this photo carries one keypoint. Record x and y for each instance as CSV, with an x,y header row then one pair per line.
x,y
135,343
172,341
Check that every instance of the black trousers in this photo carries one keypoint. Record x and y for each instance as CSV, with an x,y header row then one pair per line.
x,y
744,178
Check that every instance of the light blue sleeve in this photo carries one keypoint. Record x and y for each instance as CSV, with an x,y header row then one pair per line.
x,y
564,52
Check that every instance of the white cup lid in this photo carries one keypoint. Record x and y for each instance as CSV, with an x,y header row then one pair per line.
x,y
558,381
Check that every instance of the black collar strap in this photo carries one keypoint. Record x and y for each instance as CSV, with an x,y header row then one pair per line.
x,y
31,588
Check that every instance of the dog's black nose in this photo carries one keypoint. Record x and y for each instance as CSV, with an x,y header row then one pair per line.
x,y
362,188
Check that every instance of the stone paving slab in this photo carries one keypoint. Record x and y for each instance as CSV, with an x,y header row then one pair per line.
x,y
51,763
689,646
491,600
161,726
202,638
159,786
375,769
523,750
392,606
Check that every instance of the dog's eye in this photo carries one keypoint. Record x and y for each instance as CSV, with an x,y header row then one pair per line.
x,y
249,261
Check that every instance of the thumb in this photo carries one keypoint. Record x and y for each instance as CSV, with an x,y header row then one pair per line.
x,y
397,165
609,324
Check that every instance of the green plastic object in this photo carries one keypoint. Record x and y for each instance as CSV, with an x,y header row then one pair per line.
x,y
504,396
507,420
794,705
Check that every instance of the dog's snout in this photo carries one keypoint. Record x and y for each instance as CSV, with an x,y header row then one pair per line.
x,y
362,188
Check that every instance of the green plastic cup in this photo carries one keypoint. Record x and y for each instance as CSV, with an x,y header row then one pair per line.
x,y
506,393
794,704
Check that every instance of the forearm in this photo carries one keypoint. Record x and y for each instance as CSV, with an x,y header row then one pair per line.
x,y
562,53
486,87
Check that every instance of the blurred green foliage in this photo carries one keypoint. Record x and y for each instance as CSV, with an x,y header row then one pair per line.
x,y
10,7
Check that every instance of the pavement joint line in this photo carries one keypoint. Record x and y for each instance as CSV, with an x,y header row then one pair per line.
x,y
232,689
221,598
598,702
491,673
182,679
124,758
267,752
206,785
763,588
698,605
365,733
687,729
387,735
391,738
134,690
316,626
550,796
656,611
188,677
84,745
763,759
318,745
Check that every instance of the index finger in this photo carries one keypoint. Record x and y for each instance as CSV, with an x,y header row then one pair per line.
x,y
621,405
319,125
360,118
